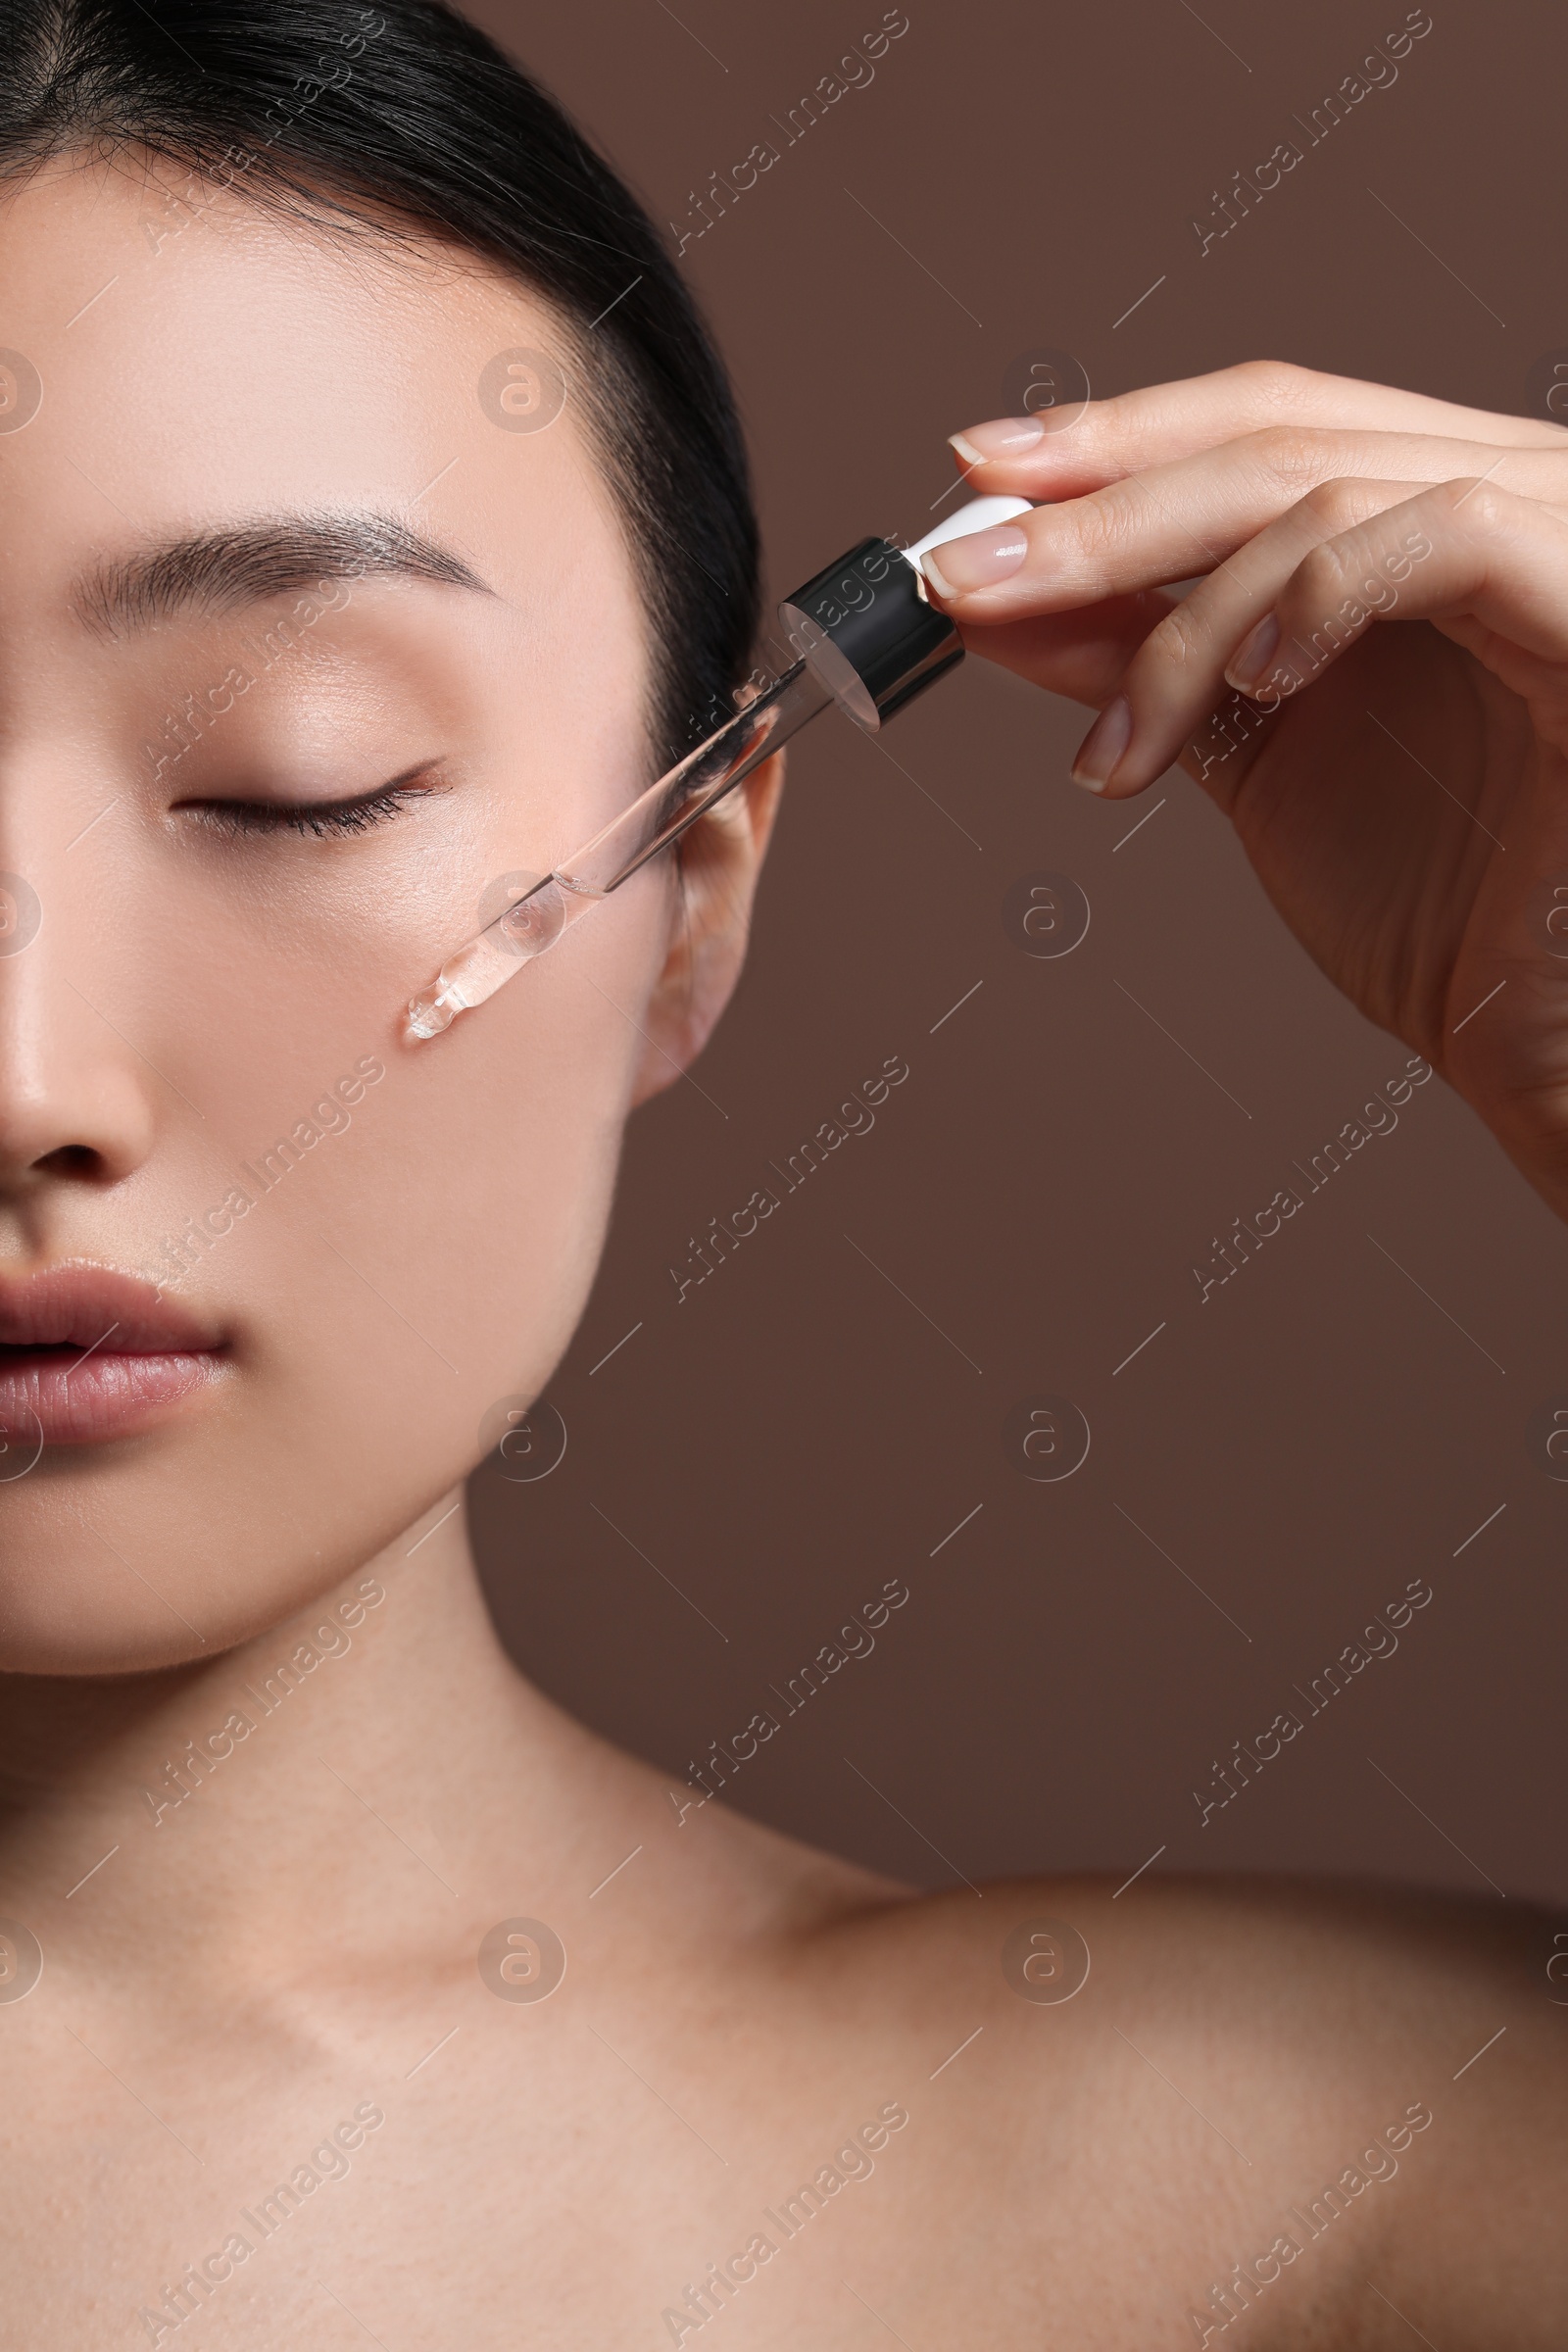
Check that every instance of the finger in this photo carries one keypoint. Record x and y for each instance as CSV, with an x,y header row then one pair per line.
x,y
1082,655
1178,673
1471,557
1060,454
1174,521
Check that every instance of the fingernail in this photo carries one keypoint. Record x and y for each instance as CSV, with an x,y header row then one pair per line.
x,y
975,561
1252,656
1004,437
1103,745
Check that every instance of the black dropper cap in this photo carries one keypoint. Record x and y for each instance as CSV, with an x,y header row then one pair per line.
x,y
867,632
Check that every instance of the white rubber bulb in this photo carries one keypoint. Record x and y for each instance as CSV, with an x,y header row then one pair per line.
x,y
978,515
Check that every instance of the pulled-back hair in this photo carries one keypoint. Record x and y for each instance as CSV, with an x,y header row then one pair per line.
x,y
400,120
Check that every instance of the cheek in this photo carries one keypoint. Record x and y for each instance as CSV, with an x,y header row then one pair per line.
x,y
479,1196
444,1251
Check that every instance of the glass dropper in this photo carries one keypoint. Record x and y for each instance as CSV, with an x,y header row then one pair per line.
x,y
869,641
656,817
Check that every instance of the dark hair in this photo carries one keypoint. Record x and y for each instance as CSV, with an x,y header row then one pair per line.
x,y
402,117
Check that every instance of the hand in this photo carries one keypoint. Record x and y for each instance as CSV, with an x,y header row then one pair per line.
x,y
1401,790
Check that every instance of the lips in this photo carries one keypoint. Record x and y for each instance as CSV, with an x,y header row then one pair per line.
x,y
88,1353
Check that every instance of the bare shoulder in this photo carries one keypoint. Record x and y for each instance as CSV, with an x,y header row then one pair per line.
x,y
1285,2088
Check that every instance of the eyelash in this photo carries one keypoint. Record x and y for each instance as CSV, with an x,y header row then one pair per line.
x,y
322,819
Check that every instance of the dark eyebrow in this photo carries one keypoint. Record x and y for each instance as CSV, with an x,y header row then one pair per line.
x,y
220,570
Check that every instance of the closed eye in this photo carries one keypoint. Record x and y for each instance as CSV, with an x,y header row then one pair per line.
x,y
320,819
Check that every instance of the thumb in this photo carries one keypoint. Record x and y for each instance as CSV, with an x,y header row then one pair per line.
x,y
1082,655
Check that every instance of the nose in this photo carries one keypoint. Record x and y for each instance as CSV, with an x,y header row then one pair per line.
x,y
77,1098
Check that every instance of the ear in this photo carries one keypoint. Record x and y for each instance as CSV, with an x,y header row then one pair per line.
x,y
710,920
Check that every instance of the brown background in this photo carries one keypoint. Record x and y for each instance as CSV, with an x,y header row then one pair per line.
x,y
1322,1430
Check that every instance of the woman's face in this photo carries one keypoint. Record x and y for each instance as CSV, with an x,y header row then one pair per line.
x,y
345,1253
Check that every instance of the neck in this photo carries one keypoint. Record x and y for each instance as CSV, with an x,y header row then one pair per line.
x,y
344,1774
